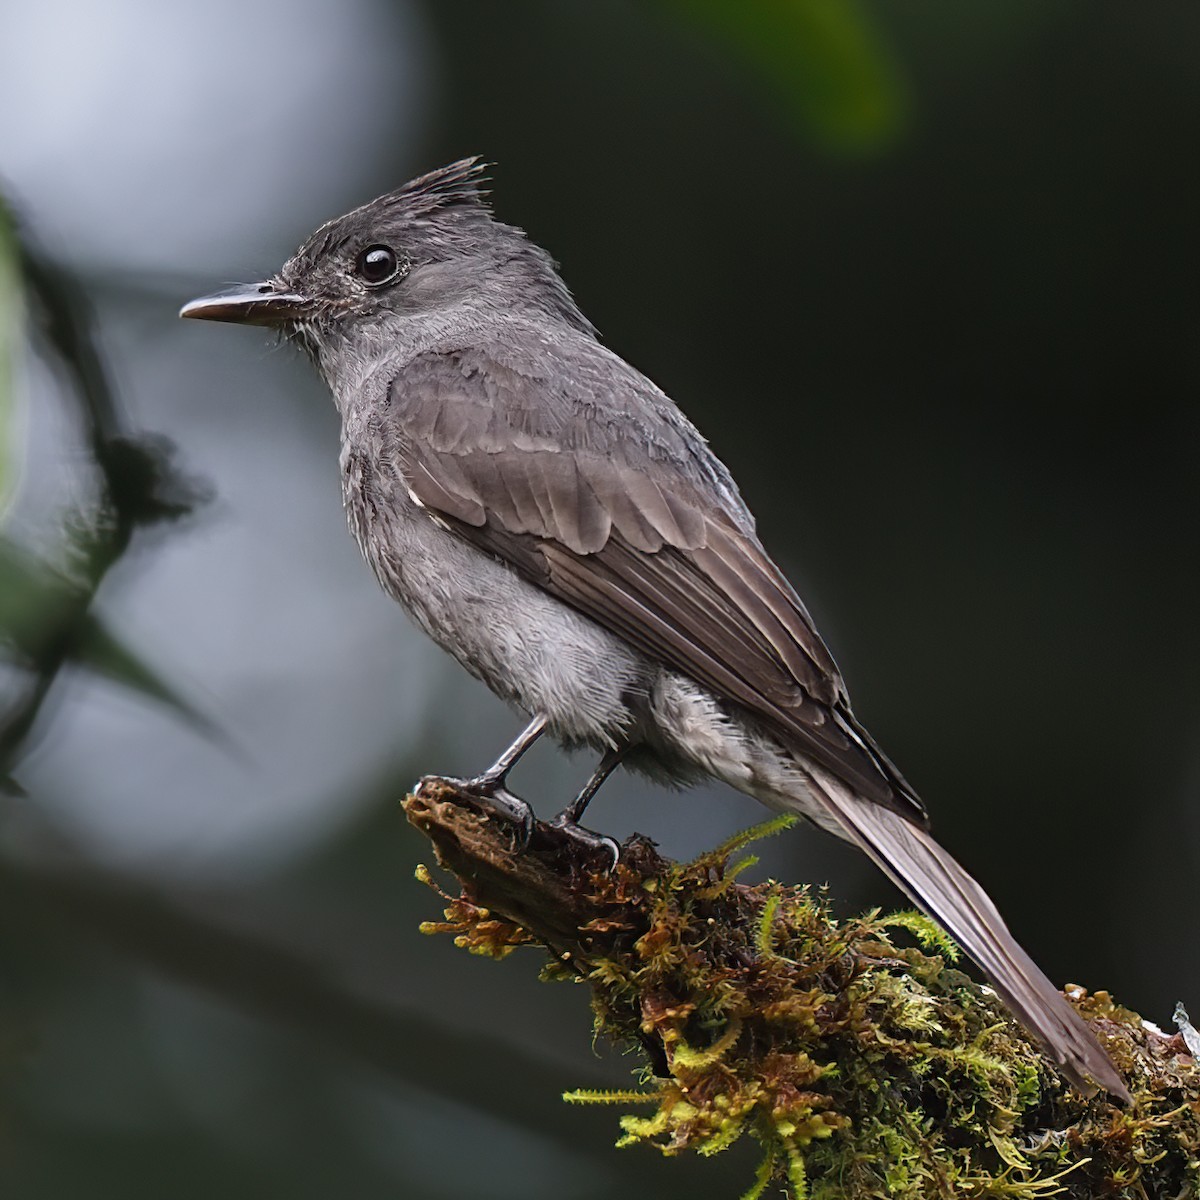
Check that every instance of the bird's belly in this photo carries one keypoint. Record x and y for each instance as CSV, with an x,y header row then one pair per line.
x,y
530,649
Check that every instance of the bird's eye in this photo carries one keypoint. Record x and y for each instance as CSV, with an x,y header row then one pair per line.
x,y
378,265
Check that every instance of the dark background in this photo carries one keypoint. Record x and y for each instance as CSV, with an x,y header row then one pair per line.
x,y
925,274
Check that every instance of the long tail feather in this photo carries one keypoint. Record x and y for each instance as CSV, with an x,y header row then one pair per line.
x,y
932,879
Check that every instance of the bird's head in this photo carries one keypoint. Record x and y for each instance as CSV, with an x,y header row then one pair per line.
x,y
426,250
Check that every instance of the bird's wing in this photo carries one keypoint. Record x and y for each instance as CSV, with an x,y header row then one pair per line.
x,y
629,519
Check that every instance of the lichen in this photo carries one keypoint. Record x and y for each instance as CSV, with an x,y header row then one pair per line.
x,y
863,1066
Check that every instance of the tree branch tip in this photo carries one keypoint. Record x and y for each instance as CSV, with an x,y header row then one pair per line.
x,y
862,1067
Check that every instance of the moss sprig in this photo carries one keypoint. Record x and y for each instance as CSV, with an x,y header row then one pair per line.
x,y
863,1065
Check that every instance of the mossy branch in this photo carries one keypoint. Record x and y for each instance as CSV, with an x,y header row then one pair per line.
x,y
864,1068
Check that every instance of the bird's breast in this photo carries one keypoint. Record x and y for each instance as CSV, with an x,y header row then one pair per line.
x,y
528,647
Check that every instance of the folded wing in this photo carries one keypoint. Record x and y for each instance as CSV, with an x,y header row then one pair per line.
x,y
636,526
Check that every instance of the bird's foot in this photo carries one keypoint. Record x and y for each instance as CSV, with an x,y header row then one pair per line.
x,y
591,842
491,790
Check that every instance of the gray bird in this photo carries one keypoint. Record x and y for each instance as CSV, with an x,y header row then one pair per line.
x,y
548,515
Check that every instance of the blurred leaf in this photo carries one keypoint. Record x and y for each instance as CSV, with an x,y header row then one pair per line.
x,y
34,601
11,323
824,58
45,618
107,656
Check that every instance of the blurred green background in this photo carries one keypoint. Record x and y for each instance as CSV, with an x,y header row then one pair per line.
x,y
924,273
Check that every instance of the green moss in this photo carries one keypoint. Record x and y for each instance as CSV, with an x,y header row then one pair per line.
x,y
862,1066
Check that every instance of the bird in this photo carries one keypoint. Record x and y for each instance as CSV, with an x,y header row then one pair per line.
x,y
552,519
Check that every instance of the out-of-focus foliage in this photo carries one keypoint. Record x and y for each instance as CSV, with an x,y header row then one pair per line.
x,y
827,61
11,324
46,617
44,609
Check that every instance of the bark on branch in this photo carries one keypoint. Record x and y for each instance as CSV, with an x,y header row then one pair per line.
x,y
864,1067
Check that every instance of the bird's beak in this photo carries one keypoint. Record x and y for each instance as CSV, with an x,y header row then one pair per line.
x,y
250,304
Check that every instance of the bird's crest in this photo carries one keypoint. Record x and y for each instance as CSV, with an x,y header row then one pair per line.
x,y
459,183
418,205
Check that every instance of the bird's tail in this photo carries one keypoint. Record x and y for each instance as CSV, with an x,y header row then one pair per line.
x,y
932,879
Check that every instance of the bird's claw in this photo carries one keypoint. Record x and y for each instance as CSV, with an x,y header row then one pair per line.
x,y
586,838
502,802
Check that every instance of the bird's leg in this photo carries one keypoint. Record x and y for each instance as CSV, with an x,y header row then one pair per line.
x,y
491,784
568,820
497,773
607,765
